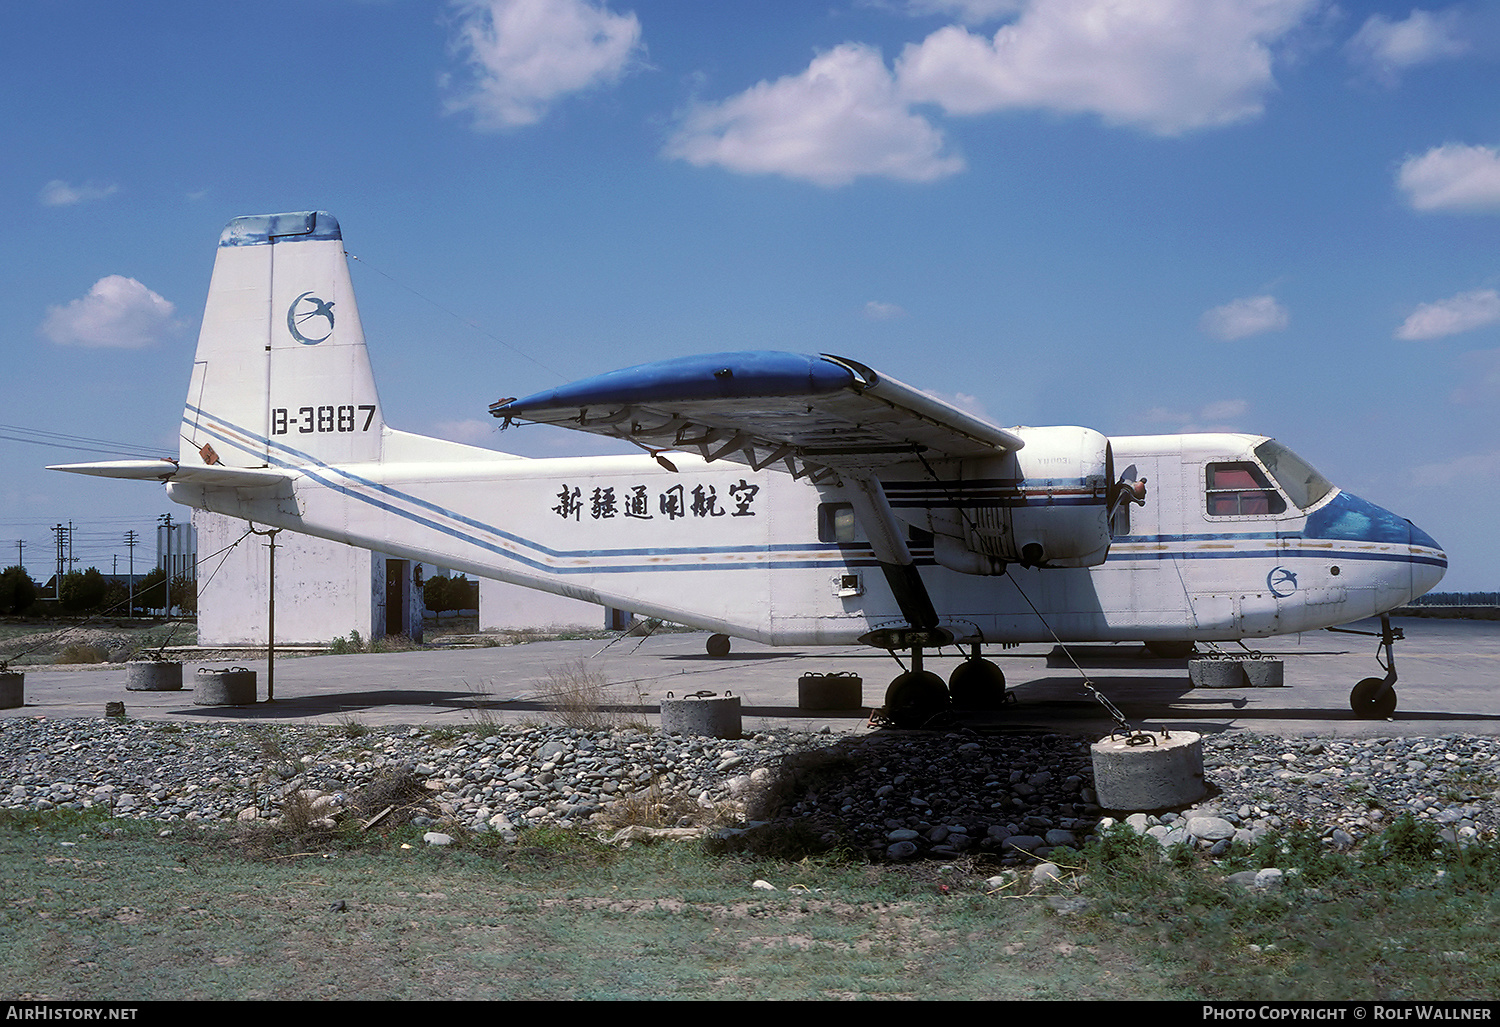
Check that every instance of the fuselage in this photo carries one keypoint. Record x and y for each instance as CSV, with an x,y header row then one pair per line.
x,y
1236,538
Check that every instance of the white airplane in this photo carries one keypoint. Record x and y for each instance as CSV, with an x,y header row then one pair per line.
x,y
826,504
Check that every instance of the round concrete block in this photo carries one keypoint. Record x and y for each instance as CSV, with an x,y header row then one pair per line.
x,y
1264,673
1140,778
153,676
12,689
842,691
1216,674
234,687
716,716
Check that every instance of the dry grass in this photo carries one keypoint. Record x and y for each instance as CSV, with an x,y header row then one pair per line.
x,y
580,697
82,652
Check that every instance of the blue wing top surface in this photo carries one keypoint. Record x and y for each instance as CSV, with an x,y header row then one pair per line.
x,y
765,407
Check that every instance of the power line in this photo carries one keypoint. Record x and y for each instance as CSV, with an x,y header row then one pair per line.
x,y
81,443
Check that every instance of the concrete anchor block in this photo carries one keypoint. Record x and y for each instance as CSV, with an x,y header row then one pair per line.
x,y
1264,673
1165,772
12,689
841,691
233,687
715,716
1236,672
1216,674
153,676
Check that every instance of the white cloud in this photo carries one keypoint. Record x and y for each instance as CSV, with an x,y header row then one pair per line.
x,y
970,12
838,120
969,404
1466,469
1387,47
1224,410
1220,415
522,55
117,312
58,193
1168,67
470,431
877,311
1453,177
1241,318
1462,313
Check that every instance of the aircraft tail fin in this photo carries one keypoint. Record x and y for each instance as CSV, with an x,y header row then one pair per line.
x,y
281,377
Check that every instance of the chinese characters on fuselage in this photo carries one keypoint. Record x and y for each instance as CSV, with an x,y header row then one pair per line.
x,y
636,502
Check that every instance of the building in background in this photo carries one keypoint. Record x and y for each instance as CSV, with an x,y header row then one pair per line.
x,y
177,549
325,590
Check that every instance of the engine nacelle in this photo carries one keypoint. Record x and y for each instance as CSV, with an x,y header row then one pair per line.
x,y
1045,505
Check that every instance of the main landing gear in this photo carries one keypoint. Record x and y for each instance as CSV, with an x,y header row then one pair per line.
x,y
917,696
1375,698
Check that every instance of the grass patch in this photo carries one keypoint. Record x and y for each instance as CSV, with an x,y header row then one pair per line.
x,y
82,652
99,908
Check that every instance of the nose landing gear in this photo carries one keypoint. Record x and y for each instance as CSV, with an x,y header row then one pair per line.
x,y
1375,698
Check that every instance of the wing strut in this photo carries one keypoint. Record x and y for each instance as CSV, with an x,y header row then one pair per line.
x,y
888,543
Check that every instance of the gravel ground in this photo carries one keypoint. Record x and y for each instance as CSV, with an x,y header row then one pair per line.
x,y
895,795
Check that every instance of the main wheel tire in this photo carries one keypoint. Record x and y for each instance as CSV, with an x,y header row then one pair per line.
x,y
1367,702
717,646
914,698
977,684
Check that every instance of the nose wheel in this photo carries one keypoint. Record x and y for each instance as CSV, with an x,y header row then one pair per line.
x,y
1375,698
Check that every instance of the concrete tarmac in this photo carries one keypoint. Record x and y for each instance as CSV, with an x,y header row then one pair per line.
x,y
1449,671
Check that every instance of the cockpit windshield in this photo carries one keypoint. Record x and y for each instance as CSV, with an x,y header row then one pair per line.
x,y
1301,482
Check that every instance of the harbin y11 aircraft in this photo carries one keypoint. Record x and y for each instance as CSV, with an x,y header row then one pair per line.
x,y
827,504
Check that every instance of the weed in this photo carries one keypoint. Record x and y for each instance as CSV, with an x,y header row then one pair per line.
x,y
270,746
397,792
82,652
580,697
352,727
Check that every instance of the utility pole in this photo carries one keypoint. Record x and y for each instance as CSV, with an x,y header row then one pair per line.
x,y
131,540
61,535
166,585
20,548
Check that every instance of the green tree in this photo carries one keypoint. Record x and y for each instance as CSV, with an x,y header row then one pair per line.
x,y
150,591
185,595
442,594
17,590
82,591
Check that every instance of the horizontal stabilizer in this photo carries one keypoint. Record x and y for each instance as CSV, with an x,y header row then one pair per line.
x,y
170,470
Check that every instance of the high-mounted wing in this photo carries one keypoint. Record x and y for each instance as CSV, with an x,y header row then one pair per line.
x,y
817,415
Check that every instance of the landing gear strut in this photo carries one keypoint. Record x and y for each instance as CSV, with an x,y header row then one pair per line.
x,y
1375,698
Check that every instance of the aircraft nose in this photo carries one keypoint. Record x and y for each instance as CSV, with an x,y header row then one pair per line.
x,y
1357,520
1428,561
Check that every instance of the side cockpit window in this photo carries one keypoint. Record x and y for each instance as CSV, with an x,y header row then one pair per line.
x,y
1299,478
835,522
1241,489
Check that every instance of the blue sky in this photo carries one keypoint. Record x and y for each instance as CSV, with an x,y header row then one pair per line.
x,y
1275,216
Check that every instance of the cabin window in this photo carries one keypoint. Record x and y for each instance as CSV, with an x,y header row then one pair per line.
x,y
835,522
1241,490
